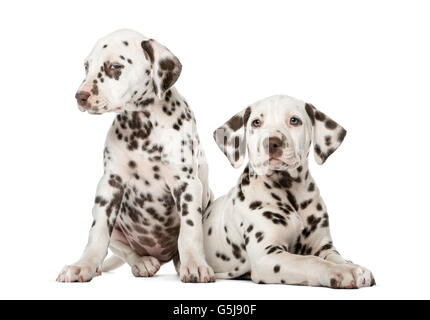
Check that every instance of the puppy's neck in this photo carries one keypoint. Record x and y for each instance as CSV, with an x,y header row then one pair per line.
x,y
297,175
147,97
296,178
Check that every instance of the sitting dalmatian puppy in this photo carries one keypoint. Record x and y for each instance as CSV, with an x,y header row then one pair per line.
x,y
273,225
149,202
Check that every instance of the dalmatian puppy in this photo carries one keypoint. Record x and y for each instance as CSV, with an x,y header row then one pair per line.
x,y
149,202
273,225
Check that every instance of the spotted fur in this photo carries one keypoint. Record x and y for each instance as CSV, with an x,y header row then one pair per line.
x,y
149,202
273,225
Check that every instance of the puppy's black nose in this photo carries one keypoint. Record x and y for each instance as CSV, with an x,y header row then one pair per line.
x,y
82,97
273,146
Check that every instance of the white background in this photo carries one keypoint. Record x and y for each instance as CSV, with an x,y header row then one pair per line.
x,y
364,63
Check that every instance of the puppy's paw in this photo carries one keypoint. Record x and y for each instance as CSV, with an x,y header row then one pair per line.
x,y
146,267
349,276
78,273
364,277
196,273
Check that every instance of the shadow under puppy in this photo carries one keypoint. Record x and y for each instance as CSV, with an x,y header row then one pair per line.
x,y
273,225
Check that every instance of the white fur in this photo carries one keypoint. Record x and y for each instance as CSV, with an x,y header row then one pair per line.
x,y
273,223
154,165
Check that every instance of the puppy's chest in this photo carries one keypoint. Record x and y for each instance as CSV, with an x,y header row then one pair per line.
x,y
148,183
153,133
149,218
136,132
276,204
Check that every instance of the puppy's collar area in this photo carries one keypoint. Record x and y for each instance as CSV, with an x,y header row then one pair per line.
x,y
297,175
143,98
265,170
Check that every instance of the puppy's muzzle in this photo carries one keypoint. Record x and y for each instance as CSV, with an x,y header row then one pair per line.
x,y
82,99
273,147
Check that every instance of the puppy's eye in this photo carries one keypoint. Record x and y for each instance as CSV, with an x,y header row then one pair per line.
x,y
87,66
295,121
256,123
115,66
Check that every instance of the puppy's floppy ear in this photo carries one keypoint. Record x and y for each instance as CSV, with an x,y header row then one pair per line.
x,y
231,137
166,68
327,134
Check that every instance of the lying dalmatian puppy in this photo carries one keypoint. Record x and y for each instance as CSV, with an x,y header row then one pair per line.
x,y
273,225
150,200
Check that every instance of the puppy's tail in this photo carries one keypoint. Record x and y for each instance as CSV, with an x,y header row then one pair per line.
x,y
112,263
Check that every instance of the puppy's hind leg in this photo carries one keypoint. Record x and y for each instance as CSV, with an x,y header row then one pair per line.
x,y
141,266
112,263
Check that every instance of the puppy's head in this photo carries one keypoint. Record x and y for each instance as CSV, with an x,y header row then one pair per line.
x,y
124,67
278,133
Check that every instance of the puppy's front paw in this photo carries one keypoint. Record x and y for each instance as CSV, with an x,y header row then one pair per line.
x,y
193,273
78,273
146,267
364,276
350,276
